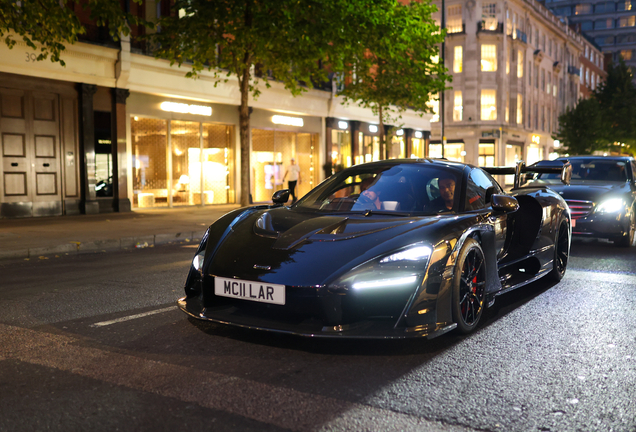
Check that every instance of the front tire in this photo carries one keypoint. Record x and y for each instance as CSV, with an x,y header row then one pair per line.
x,y
561,252
469,286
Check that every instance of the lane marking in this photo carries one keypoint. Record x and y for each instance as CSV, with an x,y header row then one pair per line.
x,y
132,317
283,407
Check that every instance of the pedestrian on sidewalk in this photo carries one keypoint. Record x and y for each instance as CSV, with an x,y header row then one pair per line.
x,y
294,178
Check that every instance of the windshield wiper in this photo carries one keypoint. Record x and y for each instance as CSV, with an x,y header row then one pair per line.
x,y
385,213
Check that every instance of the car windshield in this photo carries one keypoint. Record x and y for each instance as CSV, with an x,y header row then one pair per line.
x,y
596,170
410,188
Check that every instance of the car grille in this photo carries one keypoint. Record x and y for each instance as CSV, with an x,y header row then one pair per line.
x,y
580,209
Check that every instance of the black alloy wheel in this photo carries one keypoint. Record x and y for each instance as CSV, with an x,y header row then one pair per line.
x,y
628,240
469,286
561,252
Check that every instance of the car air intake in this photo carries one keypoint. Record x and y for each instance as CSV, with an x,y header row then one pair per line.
x,y
579,208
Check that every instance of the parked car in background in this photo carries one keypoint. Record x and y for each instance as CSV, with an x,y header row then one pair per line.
x,y
389,249
601,196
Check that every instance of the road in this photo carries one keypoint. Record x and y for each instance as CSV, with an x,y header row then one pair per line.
x,y
95,342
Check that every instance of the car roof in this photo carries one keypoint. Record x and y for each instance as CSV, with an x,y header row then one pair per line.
x,y
618,158
435,162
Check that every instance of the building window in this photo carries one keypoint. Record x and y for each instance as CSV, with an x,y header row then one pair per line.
x,y
508,60
486,155
603,24
587,77
529,73
625,5
489,104
458,106
604,7
628,21
626,54
542,118
458,59
433,103
549,120
489,16
543,79
536,116
519,108
587,25
454,23
507,110
520,64
536,76
604,40
489,58
548,88
583,8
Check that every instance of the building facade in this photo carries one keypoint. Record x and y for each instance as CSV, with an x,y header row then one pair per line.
x,y
592,67
610,24
118,130
515,68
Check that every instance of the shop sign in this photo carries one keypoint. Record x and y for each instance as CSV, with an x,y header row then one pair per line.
x,y
288,121
536,139
343,125
373,128
418,134
492,133
186,109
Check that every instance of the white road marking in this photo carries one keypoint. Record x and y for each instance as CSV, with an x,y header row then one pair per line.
x,y
132,317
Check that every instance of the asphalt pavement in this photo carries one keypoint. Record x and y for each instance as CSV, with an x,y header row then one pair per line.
x,y
30,238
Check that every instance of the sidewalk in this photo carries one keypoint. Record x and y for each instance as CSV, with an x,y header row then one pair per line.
x,y
34,237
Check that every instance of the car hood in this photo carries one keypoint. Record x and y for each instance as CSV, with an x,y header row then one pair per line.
x,y
284,245
587,191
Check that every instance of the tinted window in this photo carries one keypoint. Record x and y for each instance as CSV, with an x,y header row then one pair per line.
x,y
479,188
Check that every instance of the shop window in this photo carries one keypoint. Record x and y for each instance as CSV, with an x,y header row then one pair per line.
x,y
458,106
488,58
340,150
103,154
514,153
486,155
149,162
371,148
454,23
458,59
535,154
488,104
452,151
397,147
417,148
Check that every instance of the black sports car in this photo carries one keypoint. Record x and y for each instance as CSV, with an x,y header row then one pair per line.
x,y
391,249
601,196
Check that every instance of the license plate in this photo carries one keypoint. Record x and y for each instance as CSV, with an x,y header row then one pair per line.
x,y
250,290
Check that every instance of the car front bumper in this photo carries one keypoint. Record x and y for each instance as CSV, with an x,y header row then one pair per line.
x,y
606,226
309,327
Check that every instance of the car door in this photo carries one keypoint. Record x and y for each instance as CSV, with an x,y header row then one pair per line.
x,y
480,186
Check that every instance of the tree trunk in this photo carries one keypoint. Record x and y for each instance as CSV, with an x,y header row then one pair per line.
x,y
244,131
384,152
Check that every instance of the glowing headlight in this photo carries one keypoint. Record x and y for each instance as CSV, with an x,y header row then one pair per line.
x,y
610,206
197,262
416,253
383,283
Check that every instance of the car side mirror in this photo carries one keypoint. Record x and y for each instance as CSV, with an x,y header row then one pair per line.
x,y
504,203
281,196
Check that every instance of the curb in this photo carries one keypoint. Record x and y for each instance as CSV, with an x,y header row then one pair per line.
x,y
72,248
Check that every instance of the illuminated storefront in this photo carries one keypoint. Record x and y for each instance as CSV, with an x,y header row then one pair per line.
x,y
453,150
177,162
276,139
418,144
338,145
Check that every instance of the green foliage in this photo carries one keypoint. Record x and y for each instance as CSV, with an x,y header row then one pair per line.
x,y
47,27
582,129
604,121
398,70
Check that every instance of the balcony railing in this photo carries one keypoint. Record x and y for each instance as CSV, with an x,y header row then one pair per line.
x,y
574,70
489,27
522,36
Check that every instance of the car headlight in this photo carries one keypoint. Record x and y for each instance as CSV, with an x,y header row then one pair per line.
x,y
612,205
400,269
197,262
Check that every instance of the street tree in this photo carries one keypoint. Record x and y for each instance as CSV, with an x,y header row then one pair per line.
x,y
48,26
617,99
289,39
606,120
582,129
400,68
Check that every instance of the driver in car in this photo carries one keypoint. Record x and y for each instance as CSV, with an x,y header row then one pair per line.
x,y
369,199
443,203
